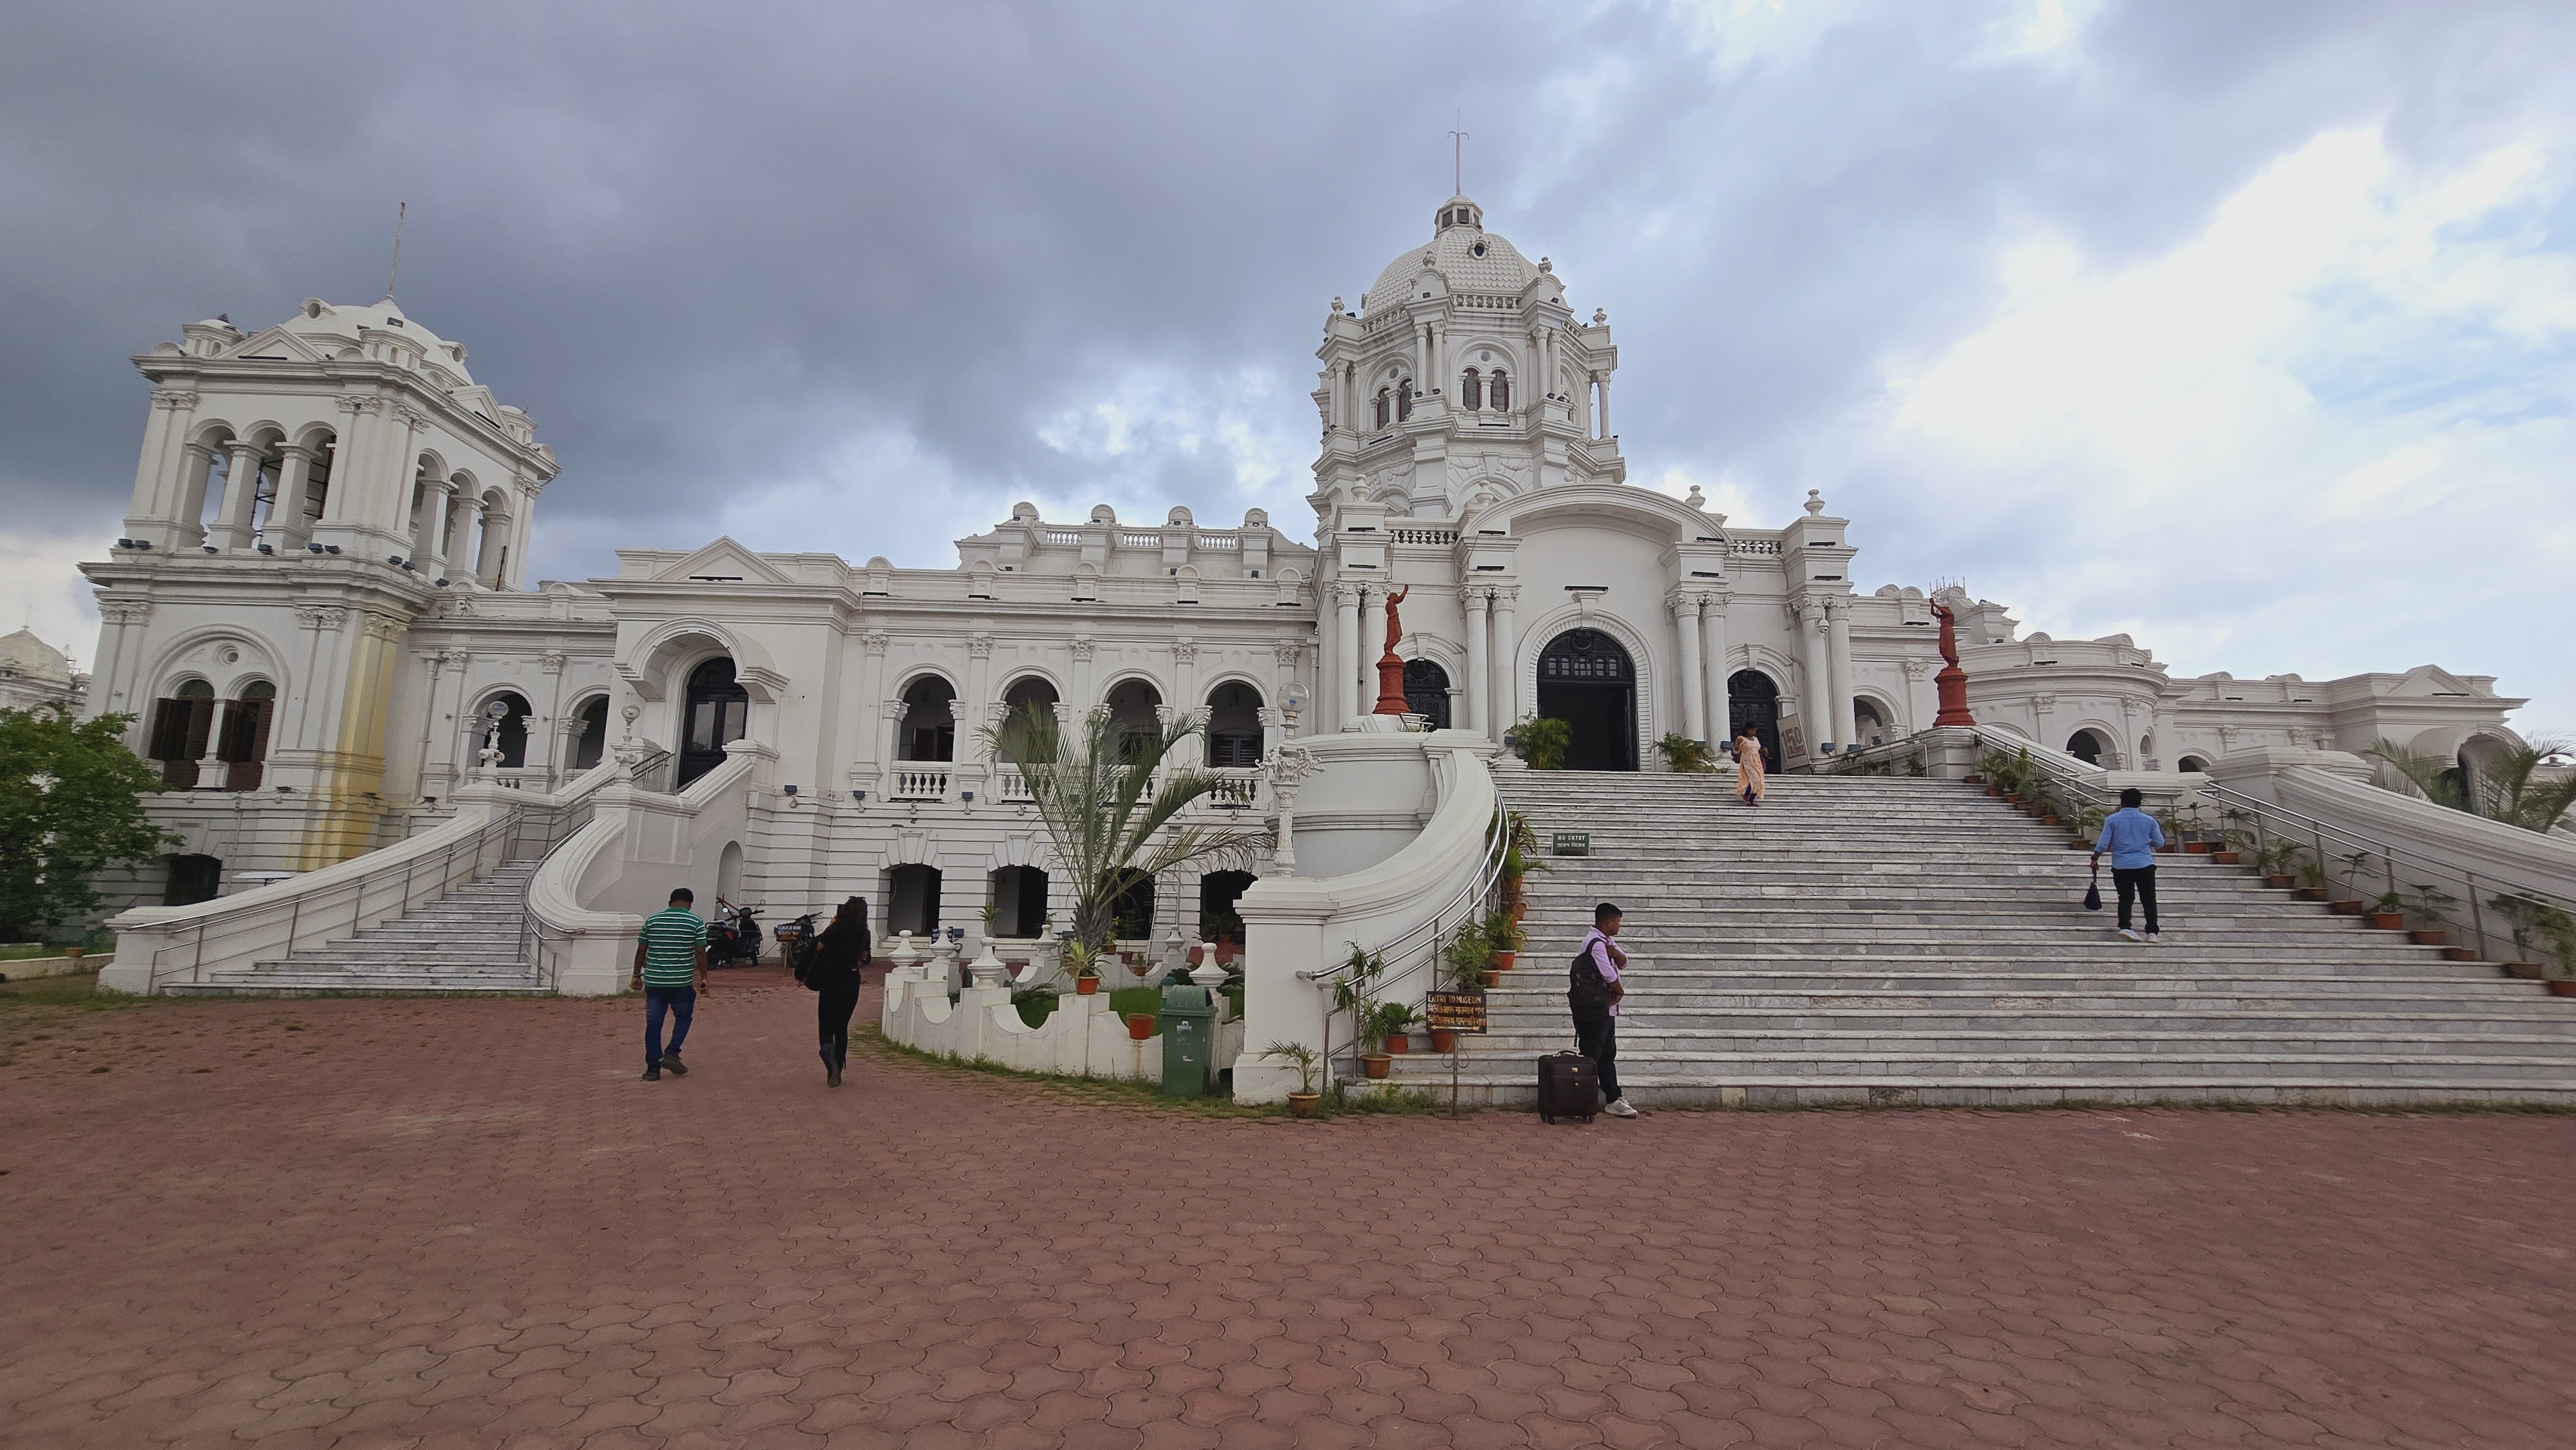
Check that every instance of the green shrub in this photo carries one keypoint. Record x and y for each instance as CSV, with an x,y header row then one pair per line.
x,y
1686,756
1541,742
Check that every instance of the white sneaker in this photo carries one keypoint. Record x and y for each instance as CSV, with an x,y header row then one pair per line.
x,y
1620,1109
2130,934
2154,940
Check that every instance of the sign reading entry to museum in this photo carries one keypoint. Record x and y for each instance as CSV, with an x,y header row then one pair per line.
x,y
1454,1011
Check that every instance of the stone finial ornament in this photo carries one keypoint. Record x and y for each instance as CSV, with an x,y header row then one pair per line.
x,y
1815,501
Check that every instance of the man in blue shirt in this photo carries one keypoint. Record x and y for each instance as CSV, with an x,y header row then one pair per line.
x,y
2131,836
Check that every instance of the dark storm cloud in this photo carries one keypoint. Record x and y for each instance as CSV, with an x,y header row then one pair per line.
x,y
869,260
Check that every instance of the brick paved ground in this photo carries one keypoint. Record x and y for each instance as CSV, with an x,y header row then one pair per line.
x,y
465,1223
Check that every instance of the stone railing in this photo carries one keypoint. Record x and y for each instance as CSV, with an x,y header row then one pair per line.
x,y
919,783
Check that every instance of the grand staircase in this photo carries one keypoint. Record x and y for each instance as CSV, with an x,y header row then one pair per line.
x,y
1905,942
472,940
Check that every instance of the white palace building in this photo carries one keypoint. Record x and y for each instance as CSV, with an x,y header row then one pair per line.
x,y
318,616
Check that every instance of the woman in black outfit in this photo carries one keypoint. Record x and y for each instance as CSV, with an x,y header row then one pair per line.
x,y
838,955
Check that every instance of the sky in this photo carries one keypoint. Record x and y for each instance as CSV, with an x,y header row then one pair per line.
x,y
2246,329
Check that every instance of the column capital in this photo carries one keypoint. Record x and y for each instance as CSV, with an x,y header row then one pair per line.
x,y
875,642
1348,595
979,646
1507,595
1083,647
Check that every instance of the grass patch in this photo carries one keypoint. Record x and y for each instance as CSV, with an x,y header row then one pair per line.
x,y
78,990
1387,1100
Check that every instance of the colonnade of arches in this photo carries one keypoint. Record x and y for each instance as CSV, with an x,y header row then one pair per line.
x,y
263,490
1233,736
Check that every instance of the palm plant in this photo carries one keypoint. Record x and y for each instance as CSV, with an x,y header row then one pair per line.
x,y
1111,824
2514,791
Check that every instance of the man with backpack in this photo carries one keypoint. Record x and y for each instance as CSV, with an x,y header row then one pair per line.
x,y
1594,996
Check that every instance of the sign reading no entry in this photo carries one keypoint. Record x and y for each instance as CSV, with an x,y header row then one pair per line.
x,y
1574,843
1454,1011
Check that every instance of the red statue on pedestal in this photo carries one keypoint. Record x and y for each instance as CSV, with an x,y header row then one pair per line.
x,y
1390,669
1952,682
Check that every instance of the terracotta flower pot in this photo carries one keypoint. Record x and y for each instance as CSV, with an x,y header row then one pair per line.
x,y
2225,858
2527,971
1140,1027
1398,1043
2196,848
2277,881
2431,938
1502,961
1197,955
1990,790
2309,893
2458,954
1443,1040
2344,908
75,953
2048,820
1973,778
2079,845
1492,979
1225,951
1377,1063
1086,986
2562,988
2388,920
1303,1104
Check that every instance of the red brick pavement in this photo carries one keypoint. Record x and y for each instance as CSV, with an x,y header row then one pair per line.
x,y
467,1224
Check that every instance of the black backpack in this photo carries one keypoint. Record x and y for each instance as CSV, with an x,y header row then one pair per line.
x,y
1587,992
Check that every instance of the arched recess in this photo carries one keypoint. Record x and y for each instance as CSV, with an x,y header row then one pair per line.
x,y
1753,703
2095,744
182,722
1641,658
589,736
659,661
1589,680
714,713
1426,691
506,730
243,745
729,873
2189,762
1233,724
1875,719
928,729
1134,704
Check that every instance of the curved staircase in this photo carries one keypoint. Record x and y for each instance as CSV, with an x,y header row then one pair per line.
x,y
1914,942
470,941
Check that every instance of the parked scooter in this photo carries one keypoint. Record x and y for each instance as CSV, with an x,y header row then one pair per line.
x,y
733,939
797,943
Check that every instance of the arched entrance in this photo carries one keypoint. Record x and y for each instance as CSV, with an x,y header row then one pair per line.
x,y
1586,679
1753,703
715,715
2087,746
1426,692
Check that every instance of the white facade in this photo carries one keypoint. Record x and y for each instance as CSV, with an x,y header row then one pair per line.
x,y
367,576
34,673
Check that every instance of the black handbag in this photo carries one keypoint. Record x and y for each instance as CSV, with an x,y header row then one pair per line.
x,y
2093,889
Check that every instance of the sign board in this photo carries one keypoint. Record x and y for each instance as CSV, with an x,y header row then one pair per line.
x,y
1454,1011
1574,843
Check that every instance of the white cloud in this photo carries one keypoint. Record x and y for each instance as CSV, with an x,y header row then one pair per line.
x,y
2327,433
41,587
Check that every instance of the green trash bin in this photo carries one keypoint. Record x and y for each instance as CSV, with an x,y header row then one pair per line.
x,y
1188,1025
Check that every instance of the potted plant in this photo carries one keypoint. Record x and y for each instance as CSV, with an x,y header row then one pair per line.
x,y
1444,1039
1520,858
2350,903
2275,861
1685,756
1393,1020
1302,1101
1083,964
1469,956
1140,1026
2539,930
1503,938
1372,1030
2311,872
1541,743
2433,904
2388,913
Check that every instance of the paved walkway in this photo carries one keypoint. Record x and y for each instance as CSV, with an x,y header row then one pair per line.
x,y
466,1223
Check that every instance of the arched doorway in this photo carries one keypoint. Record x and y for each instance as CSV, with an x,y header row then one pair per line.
x,y
2086,746
716,714
1019,901
1218,892
1869,724
1586,679
1426,692
590,742
1753,703
929,728
502,724
1233,726
912,901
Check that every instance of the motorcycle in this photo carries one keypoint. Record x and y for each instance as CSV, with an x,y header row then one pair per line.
x,y
797,943
733,939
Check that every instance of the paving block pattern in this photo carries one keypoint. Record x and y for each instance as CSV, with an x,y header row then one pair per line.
x,y
1894,941
381,1223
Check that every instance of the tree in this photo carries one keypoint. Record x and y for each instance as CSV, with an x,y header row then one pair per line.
x,y
1110,824
71,803
2513,791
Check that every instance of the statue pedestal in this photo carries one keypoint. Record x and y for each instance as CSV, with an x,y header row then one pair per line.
x,y
1952,683
1390,686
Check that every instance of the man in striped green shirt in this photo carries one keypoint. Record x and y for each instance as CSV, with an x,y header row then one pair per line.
x,y
670,969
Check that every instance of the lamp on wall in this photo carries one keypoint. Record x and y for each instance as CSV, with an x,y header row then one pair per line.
x,y
858,795
788,789
313,548
967,796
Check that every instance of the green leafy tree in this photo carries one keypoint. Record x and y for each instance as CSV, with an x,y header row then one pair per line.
x,y
1111,824
71,804
2514,791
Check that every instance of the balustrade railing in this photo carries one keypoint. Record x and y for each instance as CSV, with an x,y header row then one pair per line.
x,y
918,783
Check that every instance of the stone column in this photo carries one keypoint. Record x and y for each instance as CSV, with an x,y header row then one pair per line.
x,y
286,519
971,712
233,531
1685,612
429,547
1372,644
1185,674
1605,407
1507,673
1712,654
1084,700
1480,663
489,563
1815,684
188,510
1838,664
1346,696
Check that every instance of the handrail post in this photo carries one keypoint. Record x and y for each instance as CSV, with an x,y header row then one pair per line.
x,y
2477,916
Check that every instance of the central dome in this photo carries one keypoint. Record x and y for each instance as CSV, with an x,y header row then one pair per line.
x,y
1468,257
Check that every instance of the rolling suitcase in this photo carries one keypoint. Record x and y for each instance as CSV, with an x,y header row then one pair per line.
x,y
1569,1086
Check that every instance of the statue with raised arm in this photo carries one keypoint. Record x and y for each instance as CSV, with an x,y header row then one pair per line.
x,y
1949,631
1952,682
1395,621
1390,666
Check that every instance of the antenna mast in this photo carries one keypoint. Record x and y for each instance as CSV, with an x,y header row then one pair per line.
x,y
1458,156
401,209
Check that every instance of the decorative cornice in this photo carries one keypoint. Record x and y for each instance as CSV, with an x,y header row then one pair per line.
x,y
315,617
355,403
173,398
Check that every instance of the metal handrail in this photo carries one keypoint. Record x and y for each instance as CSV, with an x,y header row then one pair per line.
x,y
2266,814
1420,945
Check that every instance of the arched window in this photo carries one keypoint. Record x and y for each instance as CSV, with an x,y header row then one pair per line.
x,y
2085,746
1135,706
591,740
716,713
1234,726
1498,391
510,727
1403,399
1471,391
1426,692
1869,727
243,747
181,725
1385,400
929,728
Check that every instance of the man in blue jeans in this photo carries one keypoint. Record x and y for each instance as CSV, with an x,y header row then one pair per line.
x,y
670,969
2132,836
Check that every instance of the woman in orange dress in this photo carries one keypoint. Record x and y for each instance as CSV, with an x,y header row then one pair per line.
x,y
1748,768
